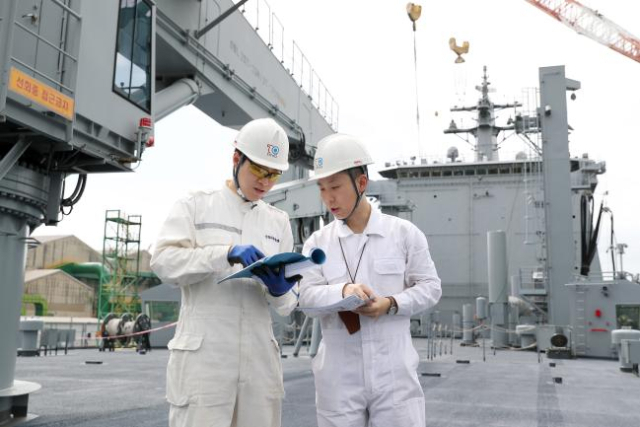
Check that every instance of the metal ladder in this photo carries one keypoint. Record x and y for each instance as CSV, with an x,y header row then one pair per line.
x,y
67,61
580,322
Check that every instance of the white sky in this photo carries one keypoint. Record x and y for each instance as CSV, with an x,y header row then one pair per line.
x,y
363,51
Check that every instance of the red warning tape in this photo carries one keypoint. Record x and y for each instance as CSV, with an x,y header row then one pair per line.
x,y
170,325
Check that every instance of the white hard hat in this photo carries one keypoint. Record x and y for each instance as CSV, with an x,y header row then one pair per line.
x,y
337,153
264,142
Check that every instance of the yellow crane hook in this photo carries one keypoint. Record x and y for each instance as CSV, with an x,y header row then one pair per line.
x,y
459,50
414,11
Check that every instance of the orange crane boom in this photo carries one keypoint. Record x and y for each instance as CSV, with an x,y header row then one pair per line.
x,y
592,24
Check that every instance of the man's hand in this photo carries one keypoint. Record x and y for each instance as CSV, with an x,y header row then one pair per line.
x,y
377,307
244,254
275,281
363,291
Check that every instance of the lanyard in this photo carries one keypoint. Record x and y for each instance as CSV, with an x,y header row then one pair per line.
x,y
344,258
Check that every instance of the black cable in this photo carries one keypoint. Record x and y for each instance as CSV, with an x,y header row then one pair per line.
x,y
77,192
589,235
80,192
584,269
70,201
593,243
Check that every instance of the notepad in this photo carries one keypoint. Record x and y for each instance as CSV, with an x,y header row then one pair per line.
x,y
346,304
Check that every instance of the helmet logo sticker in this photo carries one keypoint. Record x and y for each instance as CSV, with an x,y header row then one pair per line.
x,y
319,163
273,150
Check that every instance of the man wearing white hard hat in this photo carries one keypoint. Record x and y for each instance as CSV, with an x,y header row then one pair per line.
x,y
224,366
365,369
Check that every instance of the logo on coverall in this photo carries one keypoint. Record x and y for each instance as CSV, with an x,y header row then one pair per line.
x,y
273,150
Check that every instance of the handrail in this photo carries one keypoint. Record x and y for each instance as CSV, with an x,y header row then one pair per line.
x,y
41,74
191,43
67,9
39,37
295,62
603,278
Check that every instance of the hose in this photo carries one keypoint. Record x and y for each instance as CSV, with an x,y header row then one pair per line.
x,y
70,201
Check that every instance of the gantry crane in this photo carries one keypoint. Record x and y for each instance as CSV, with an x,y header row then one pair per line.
x,y
592,24
74,101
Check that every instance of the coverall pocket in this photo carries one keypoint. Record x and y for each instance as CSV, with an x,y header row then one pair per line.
x,y
182,376
328,376
277,368
389,277
404,361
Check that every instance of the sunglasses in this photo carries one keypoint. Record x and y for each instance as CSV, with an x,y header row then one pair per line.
x,y
261,173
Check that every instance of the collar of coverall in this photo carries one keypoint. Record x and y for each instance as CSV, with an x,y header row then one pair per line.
x,y
373,225
233,196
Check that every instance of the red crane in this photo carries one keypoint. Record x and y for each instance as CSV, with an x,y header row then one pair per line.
x,y
592,24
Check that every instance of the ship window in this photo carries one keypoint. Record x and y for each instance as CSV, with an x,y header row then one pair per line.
x,y
402,174
435,173
132,75
628,315
493,171
481,172
469,172
505,171
517,170
414,174
457,173
424,174
446,173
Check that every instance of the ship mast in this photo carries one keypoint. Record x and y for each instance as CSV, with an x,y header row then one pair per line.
x,y
486,131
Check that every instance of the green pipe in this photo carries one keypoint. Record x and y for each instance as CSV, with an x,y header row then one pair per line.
x,y
87,270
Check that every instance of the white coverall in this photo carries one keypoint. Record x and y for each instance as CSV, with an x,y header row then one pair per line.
x,y
224,366
369,378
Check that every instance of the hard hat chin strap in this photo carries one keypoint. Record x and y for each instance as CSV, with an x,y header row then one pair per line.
x,y
353,175
355,206
236,182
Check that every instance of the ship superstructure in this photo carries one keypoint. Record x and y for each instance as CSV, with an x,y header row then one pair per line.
x,y
455,203
516,237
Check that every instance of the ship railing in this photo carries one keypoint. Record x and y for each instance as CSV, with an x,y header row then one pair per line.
x,y
530,281
270,29
581,180
603,278
506,156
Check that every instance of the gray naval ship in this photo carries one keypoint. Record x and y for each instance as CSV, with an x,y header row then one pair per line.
x,y
530,331
514,240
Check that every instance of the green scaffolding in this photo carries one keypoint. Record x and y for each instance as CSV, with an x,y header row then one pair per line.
x,y
121,257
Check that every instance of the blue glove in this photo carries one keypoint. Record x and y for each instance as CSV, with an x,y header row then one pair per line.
x,y
275,281
244,254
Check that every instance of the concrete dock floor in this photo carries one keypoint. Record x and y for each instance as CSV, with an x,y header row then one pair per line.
x,y
510,388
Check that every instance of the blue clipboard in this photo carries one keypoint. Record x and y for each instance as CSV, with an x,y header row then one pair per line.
x,y
291,260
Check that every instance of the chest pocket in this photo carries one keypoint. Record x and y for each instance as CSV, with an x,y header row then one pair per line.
x,y
389,275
